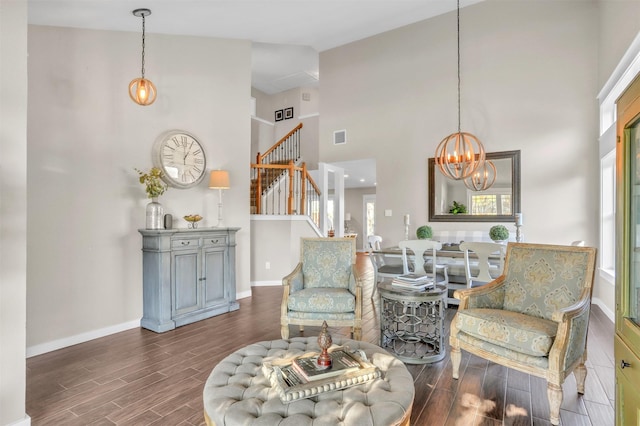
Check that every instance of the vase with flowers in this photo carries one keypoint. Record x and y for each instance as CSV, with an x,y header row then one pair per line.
x,y
154,187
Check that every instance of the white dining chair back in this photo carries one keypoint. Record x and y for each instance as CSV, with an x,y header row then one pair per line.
x,y
483,251
381,267
416,264
374,241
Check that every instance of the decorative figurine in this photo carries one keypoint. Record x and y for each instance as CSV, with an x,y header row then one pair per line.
x,y
324,341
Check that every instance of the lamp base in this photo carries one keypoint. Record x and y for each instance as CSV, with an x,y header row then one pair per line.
x,y
220,224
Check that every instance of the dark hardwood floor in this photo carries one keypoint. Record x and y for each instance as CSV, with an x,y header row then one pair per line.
x,y
138,377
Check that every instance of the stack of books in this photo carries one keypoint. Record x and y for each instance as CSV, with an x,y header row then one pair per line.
x,y
413,281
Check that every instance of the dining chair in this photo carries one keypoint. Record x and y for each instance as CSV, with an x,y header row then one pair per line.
x,y
374,241
381,268
418,265
479,273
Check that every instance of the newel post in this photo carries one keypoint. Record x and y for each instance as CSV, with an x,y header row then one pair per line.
x,y
291,178
303,189
258,193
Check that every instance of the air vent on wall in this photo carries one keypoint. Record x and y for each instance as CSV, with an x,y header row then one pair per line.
x,y
339,137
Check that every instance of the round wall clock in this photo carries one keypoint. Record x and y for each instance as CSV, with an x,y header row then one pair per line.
x,y
181,158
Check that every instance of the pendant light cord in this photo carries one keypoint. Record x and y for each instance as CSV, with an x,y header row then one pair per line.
x,y
143,52
458,21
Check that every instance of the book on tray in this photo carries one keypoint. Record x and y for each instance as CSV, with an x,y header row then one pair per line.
x,y
341,363
300,377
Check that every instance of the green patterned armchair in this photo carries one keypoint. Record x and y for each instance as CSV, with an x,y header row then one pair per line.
x,y
323,287
533,318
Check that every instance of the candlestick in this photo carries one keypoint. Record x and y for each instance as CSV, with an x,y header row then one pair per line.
x,y
518,219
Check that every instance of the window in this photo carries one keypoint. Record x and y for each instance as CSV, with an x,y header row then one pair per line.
x,y
491,202
608,215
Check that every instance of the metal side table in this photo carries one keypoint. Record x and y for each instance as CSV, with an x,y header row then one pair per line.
x,y
412,323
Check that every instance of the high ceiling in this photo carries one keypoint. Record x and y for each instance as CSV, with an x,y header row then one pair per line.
x,y
287,34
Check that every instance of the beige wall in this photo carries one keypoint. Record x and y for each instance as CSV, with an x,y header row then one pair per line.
x,y
85,139
276,240
618,27
13,206
529,81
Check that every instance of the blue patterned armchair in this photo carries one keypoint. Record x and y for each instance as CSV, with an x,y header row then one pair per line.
x,y
533,318
323,287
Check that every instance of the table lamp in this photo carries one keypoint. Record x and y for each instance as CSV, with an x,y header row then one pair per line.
x,y
219,179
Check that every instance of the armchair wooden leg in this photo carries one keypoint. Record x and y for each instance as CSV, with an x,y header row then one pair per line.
x,y
581,375
456,357
284,331
554,393
357,333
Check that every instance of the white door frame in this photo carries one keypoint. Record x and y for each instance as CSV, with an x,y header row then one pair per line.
x,y
366,198
338,198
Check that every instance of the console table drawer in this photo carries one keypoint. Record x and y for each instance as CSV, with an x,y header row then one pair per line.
x,y
183,243
214,240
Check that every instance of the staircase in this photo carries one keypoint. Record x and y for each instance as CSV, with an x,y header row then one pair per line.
x,y
280,182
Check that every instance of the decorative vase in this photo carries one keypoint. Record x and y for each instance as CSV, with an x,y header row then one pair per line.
x,y
155,215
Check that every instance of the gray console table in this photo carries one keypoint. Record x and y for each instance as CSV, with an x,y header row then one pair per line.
x,y
188,275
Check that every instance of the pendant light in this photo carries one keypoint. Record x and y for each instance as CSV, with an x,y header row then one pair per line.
x,y
483,178
461,153
142,91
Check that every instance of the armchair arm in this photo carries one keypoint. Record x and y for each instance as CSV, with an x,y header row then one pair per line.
x,y
490,295
294,281
571,340
355,280
291,283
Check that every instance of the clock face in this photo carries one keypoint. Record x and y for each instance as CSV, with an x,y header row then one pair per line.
x,y
181,158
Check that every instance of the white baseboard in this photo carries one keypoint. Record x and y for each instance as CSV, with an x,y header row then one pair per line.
x,y
79,338
26,421
243,294
265,283
608,312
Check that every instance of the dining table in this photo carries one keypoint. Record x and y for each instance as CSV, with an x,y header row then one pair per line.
x,y
451,256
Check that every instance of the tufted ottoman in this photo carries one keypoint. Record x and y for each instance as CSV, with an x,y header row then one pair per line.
x,y
237,393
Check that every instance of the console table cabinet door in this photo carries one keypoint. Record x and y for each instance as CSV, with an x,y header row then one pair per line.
x,y
188,275
214,272
186,284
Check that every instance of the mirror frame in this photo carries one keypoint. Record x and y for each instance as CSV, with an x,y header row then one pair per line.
x,y
514,156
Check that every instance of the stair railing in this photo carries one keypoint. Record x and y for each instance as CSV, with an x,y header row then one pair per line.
x,y
297,193
287,148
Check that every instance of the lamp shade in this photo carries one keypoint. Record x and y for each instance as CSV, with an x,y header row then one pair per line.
x,y
219,179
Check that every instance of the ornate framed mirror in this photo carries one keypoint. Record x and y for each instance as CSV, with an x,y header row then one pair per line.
x,y
499,203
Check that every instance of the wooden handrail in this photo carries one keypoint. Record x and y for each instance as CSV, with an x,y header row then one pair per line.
x,y
277,144
291,168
